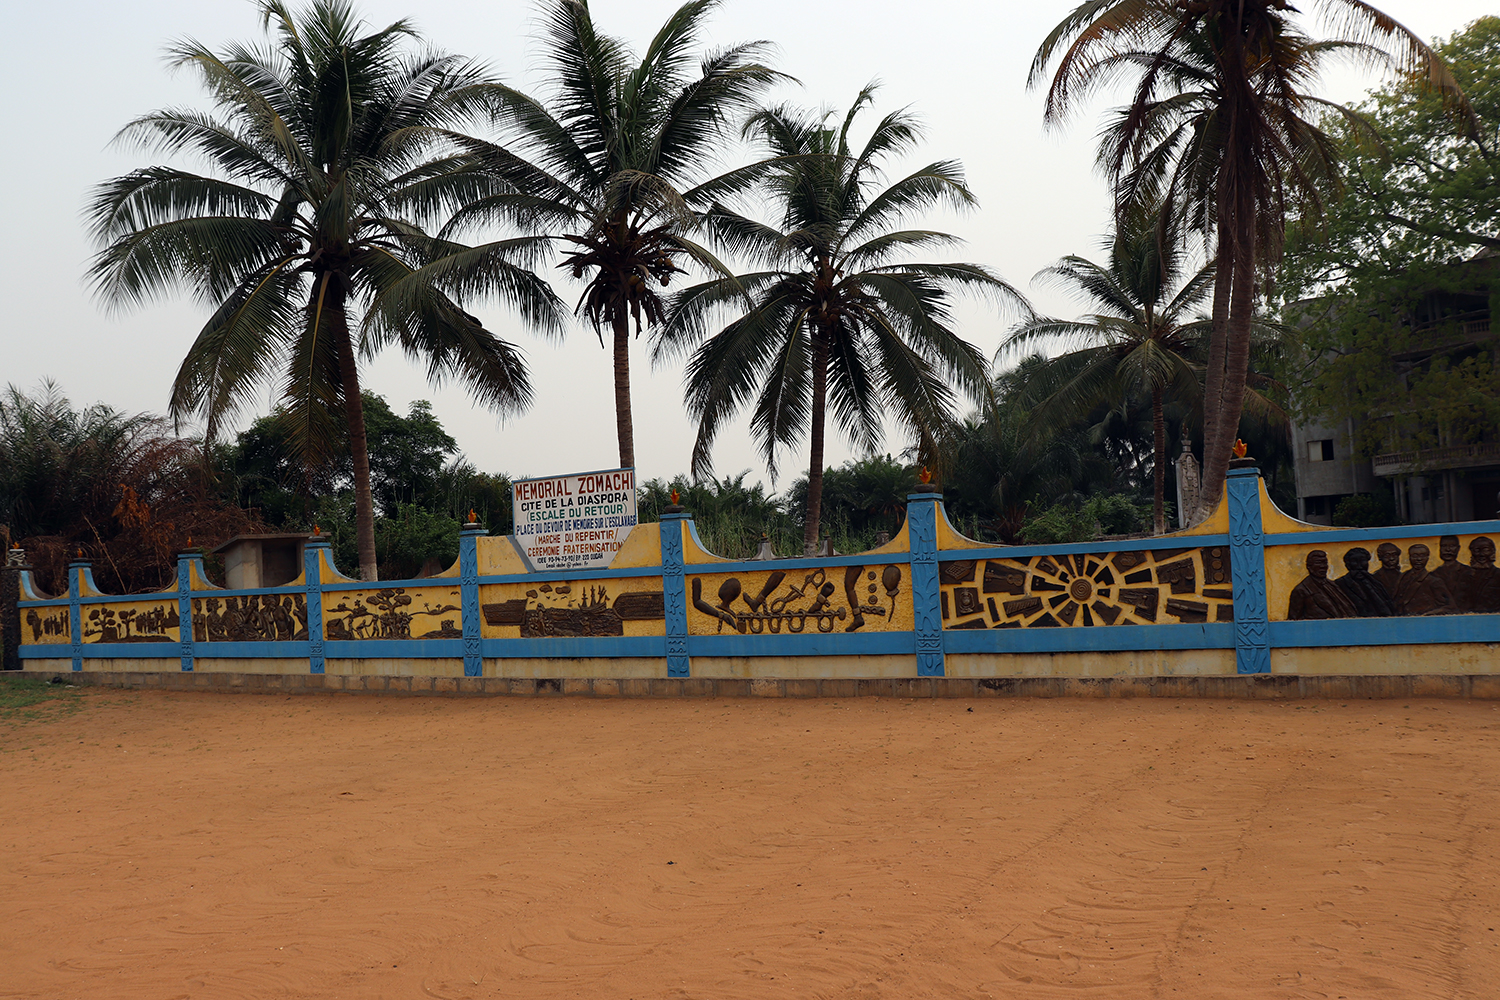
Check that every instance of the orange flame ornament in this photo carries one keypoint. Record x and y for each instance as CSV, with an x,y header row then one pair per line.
x,y
1240,448
926,476
676,497
473,517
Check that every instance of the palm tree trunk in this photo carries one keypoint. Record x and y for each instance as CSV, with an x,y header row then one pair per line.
x,y
1158,470
1213,377
359,446
815,457
624,429
1236,354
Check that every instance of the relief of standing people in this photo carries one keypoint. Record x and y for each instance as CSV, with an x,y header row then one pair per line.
x,y
1451,588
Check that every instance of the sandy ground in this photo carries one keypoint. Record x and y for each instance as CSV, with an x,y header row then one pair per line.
x,y
168,846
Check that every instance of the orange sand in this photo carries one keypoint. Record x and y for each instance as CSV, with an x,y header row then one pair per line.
x,y
167,846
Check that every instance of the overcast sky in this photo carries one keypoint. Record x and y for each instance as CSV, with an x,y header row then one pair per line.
x,y
74,72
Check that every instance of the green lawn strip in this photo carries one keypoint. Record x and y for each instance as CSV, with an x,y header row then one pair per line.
x,y
33,698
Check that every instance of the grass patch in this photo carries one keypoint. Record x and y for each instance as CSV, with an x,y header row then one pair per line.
x,y
26,699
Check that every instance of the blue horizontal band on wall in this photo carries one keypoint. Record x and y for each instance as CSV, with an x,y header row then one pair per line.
x,y
1109,638
1091,548
47,651
1386,631
393,649
1375,536
805,644
562,647
104,650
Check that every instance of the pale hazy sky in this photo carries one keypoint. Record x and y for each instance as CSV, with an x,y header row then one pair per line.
x,y
74,72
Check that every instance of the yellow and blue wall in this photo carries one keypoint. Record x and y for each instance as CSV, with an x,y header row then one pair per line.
x,y
1209,602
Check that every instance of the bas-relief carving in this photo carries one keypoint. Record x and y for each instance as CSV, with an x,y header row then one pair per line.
x,y
1450,588
843,598
1086,589
575,609
390,613
251,618
46,626
129,623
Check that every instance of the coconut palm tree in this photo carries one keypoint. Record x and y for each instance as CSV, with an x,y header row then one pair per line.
x,y
326,159
836,319
1218,123
611,160
1140,339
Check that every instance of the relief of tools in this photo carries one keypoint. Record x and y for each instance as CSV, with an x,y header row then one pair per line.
x,y
762,617
891,579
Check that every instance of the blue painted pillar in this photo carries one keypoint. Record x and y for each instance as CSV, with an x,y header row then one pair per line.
x,y
310,565
674,590
1247,554
185,561
468,584
927,616
76,570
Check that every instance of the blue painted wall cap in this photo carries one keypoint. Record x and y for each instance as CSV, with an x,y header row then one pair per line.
x,y
1237,473
319,542
920,497
684,516
476,530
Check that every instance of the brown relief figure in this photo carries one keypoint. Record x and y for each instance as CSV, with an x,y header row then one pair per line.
x,y
1389,573
1420,592
1449,570
1482,585
1365,592
1318,597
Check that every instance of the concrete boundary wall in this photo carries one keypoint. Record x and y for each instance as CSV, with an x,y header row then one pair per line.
x,y
1248,594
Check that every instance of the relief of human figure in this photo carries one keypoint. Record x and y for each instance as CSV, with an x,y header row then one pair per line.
x,y
1365,592
1452,572
1389,573
1481,593
1421,592
1318,597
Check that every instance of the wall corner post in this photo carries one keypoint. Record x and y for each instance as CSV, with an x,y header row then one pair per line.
x,y
1247,554
468,583
674,590
187,639
312,566
927,618
77,570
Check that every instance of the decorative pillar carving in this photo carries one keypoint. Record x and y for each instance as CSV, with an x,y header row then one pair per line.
x,y
1248,569
927,618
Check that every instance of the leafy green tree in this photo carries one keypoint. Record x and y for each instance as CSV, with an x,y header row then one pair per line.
x,y
1422,186
1400,275
999,468
1218,126
328,151
120,487
611,160
837,319
1141,339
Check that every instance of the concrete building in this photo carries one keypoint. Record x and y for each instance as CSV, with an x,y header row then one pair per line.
x,y
1454,474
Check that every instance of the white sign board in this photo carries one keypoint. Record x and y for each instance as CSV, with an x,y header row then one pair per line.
x,y
574,522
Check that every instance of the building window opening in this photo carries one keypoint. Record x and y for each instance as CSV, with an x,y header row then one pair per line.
x,y
1320,451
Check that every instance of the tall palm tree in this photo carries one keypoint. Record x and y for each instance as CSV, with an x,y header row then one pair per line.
x,y
834,319
326,158
1141,338
1218,122
611,159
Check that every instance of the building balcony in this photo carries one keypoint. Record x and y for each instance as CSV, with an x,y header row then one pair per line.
x,y
1422,460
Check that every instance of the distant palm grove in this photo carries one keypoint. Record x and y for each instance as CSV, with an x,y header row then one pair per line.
x,y
353,188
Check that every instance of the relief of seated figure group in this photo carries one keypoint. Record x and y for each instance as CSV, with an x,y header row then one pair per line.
x,y
1450,588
